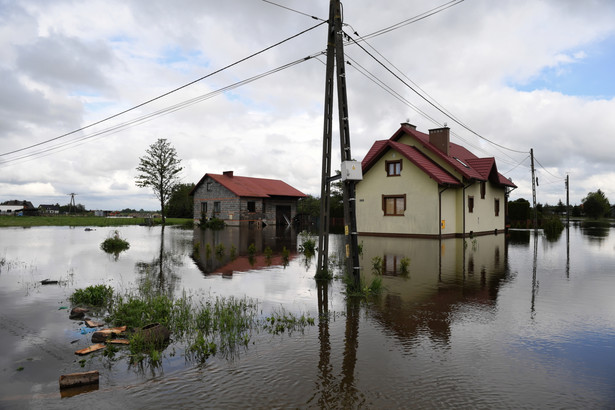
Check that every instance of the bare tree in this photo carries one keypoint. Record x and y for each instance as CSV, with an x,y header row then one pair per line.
x,y
158,170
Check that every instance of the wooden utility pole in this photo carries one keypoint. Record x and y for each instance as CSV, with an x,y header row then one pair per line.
x,y
336,68
534,190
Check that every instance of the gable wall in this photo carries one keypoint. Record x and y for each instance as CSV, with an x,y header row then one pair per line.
x,y
421,214
229,202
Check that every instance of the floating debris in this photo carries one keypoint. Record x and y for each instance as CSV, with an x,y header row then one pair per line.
x,y
49,282
90,349
79,379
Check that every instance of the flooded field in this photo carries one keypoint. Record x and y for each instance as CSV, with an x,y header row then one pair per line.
x,y
489,322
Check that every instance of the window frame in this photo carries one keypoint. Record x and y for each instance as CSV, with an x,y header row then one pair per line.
x,y
251,206
483,189
204,208
217,208
470,204
397,212
396,170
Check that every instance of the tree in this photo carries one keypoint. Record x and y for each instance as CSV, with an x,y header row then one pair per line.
x,y
158,170
596,204
180,204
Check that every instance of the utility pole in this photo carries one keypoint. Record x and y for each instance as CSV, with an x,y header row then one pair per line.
x,y
567,200
336,68
72,202
534,190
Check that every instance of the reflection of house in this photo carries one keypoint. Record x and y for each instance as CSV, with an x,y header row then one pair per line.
x,y
236,199
421,185
228,250
443,277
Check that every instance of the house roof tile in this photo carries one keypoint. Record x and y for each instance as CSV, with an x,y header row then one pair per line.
x,y
253,187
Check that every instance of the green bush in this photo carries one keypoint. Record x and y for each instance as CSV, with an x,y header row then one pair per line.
x,y
114,243
97,295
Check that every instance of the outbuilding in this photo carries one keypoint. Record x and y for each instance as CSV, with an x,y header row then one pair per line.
x,y
244,200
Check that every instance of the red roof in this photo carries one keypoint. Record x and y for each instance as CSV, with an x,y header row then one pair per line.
x,y
252,187
461,159
433,170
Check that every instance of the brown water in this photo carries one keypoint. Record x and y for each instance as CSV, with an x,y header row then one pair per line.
x,y
522,322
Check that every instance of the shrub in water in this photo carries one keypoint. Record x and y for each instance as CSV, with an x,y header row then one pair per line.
x,y
98,296
114,243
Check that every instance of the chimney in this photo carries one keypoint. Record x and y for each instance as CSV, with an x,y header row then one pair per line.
x,y
407,124
228,174
440,138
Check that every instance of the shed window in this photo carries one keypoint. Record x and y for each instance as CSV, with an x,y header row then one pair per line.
x,y
216,207
394,205
208,186
251,206
204,208
470,204
393,168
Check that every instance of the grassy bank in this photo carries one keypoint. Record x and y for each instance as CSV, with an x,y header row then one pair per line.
x,y
73,220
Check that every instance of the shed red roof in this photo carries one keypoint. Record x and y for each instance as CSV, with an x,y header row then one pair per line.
x,y
253,187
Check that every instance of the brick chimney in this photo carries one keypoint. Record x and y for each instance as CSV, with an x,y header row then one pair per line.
x,y
440,138
407,124
228,173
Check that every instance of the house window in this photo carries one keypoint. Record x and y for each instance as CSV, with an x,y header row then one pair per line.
x,y
483,188
496,205
393,168
251,206
216,208
209,186
204,208
470,204
394,205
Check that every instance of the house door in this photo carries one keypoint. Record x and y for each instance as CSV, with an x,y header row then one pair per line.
x,y
282,215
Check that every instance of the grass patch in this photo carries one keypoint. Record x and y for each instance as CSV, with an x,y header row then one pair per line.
x,y
216,326
114,243
95,296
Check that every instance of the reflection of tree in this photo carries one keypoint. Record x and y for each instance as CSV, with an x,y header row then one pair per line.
x,y
160,272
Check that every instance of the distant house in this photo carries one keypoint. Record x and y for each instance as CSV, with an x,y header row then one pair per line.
x,y
49,209
16,207
422,185
238,200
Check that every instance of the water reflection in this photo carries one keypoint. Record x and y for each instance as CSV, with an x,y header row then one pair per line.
x,y
333,391
444,276
160,272
595,230
239,249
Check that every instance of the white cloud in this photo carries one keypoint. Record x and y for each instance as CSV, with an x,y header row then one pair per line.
x,y
65,65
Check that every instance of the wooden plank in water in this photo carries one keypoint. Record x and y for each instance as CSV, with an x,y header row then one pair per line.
x,y
90,349
78,379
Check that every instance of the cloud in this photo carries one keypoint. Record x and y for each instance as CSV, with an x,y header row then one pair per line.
x,y
497,67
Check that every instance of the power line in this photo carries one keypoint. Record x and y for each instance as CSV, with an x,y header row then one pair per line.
x,y
430,102
293,10
165,94
148,117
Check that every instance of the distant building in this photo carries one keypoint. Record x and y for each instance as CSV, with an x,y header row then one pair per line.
x,y
238,200
49,209
16,207
423,185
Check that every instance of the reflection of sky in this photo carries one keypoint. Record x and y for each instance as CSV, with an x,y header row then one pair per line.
x,y
530,343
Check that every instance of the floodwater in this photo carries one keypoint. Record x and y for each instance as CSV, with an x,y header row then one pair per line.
x,y
491,322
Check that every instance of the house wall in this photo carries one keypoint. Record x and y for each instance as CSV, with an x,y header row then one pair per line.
x,y
483,219
421,216
233,209
210,192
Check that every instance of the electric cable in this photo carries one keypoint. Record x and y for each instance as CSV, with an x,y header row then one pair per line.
x,y
166,93
148,117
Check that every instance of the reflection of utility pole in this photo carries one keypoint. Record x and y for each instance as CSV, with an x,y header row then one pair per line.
x,y
351,171
534,278
534,190
567,200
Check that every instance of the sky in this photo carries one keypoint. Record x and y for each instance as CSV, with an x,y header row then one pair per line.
x,y
513,75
